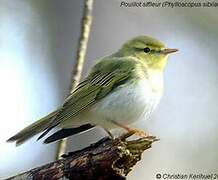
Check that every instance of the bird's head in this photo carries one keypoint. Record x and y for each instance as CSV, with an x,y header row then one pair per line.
x,y
149,50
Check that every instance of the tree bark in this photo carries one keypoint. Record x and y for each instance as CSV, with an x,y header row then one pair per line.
x,y
106,159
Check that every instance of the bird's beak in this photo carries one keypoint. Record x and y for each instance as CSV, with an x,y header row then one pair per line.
x,y
168,51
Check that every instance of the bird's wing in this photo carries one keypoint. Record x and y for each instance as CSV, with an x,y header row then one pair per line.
x,y
67,132
105,76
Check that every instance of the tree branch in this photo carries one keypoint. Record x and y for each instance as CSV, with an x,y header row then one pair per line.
x,y
80,57
106,159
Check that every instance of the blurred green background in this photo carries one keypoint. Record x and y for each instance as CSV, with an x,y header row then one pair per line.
x,y
38,42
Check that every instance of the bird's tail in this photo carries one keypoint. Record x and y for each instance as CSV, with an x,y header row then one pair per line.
x,y
32,129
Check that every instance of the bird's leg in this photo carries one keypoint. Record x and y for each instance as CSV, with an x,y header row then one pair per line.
x,y
137,132
109,133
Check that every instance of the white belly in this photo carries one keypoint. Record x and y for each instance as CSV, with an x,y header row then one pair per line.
x,y
125,106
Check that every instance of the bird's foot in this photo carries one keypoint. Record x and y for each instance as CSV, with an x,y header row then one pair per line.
x,y
130,131
137,132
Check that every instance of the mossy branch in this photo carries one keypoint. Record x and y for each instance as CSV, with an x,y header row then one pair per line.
x,y
106,159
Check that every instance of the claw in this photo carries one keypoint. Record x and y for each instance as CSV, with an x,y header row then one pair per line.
x,y
130,131
138,132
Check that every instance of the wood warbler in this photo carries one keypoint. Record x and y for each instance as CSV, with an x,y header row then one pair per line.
x,y
120,89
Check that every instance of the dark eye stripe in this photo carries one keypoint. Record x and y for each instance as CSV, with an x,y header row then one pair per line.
x,y
151,50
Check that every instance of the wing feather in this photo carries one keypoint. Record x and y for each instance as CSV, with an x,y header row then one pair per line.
x,y
96,86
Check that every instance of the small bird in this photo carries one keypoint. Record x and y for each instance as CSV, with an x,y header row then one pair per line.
x,y
120,89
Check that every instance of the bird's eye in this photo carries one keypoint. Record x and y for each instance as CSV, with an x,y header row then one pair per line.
x,y
147,50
